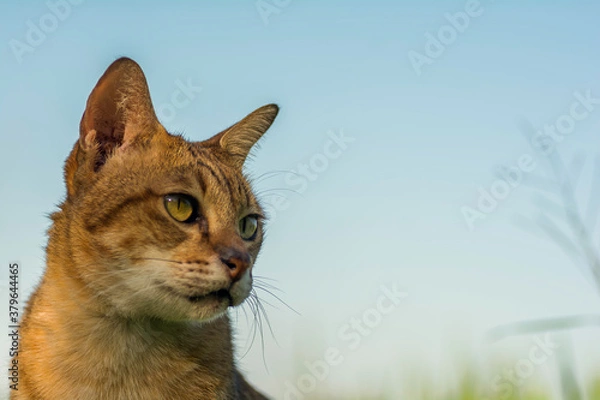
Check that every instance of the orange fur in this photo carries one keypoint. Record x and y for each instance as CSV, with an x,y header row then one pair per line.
x,y
133,303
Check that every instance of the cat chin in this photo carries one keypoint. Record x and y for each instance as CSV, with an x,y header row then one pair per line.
x,y
204,309
209,311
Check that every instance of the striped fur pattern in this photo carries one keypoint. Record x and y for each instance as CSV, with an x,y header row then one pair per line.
x,y
133,303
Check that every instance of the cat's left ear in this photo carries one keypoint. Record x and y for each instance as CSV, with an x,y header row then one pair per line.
x,y
118,113
118,116
238,140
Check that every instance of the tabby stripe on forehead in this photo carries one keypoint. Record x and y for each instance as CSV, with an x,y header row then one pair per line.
x,y
195,150
212,171
201,181
219,175
244,192
198,152
229,186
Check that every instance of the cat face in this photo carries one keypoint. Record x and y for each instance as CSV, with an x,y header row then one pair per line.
x,y
160,227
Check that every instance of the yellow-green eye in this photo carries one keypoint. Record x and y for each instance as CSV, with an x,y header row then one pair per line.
x,y
248,227
181,207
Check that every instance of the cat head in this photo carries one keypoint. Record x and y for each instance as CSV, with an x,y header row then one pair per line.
x,y
158,226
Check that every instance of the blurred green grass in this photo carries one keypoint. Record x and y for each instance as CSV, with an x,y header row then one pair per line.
x,y
469,386
469,389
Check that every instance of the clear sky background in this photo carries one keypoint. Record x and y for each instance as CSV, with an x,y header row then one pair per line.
x,y
387,209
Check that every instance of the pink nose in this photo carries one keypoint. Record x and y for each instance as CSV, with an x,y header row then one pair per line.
x,y
237,261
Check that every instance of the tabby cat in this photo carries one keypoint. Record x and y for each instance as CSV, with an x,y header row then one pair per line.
x,y
155,240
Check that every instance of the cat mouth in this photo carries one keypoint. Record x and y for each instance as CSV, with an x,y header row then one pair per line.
x,y
221,295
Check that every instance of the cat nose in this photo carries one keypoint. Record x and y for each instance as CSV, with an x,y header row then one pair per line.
x,y
237,261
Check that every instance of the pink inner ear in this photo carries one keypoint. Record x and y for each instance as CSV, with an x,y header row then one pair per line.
x,y
118,110
102,125
88,141
105,138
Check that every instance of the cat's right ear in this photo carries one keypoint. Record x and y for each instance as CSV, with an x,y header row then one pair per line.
x,y
118,114
238,139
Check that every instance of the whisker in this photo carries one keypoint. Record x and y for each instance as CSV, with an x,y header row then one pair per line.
x,y
264,312
272,174
265,278
250,301
266,194
267,286
278,299
277,189
262,336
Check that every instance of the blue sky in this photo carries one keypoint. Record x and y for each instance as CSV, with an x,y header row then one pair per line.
x,y
388,208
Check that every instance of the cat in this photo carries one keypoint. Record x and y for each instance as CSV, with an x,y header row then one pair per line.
x,y
156,239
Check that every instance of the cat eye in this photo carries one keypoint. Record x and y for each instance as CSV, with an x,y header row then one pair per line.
x,y
181,207
249,227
